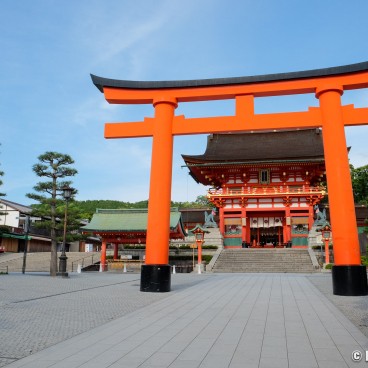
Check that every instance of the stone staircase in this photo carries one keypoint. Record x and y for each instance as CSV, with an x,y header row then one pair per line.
x,y
213,237
40,262
264,260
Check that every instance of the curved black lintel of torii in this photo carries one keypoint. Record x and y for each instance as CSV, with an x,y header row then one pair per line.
x,y
101,82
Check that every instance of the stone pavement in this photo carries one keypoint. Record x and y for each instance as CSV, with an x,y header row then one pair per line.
x,y
208,320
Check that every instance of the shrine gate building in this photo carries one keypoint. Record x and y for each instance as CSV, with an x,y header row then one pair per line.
x,y
264,184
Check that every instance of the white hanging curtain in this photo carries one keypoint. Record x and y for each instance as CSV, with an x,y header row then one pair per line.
x,y
265,222
278,221
254,223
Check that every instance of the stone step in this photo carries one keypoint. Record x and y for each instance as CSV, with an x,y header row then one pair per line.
x,y
214,237
40,262
264,260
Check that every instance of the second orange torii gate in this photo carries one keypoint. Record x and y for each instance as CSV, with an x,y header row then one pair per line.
x,y
349,276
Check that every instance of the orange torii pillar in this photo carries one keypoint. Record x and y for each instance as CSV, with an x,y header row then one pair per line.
x,y
156,273
349,276
341,202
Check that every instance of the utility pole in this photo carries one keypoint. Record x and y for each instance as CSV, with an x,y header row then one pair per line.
x,y
27,225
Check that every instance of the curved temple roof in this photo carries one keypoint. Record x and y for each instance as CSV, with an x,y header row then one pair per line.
x,y
287,145
128,220
100,82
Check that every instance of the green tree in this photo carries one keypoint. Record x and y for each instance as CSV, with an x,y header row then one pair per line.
x,y
55,167
359,179
203,201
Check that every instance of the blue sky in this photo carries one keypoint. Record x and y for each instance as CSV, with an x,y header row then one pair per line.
x,y
49,48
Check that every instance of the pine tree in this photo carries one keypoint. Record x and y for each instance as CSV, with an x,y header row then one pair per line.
x,y
54,166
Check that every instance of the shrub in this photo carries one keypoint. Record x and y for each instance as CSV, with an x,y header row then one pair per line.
x,y
364,260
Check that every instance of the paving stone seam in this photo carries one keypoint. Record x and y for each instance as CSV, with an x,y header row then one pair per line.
x,y
195,298
245,281
87,331
179,296
72,291
291,283
265,324
316,293
249,316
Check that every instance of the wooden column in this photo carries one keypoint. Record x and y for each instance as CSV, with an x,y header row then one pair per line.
x,y
310,216
244,228
287,226
221,220
116,251
103,255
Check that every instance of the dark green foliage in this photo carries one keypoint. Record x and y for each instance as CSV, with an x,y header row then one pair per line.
x,y
54,166
359,179
4,229
205,258
364,260
89,207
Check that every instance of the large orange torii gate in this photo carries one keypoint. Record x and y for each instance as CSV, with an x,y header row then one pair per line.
x,y
349,276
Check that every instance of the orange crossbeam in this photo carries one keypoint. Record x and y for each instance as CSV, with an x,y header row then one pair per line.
x,y
227,124
355,116
129,130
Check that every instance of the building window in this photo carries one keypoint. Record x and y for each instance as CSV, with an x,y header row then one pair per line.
x,y
264,176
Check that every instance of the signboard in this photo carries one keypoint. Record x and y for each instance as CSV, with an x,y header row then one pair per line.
x,y
88,247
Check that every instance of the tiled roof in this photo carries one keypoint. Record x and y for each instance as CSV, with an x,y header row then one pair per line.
x,y
19,207
262,146
126,220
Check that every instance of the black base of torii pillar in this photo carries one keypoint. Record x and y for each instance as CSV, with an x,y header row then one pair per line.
x,y
349,280
156,278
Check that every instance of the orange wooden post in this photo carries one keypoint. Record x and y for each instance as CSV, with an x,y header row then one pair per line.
x,y
327,251
199,243
341,202
116,251
156,273
221,220
103,255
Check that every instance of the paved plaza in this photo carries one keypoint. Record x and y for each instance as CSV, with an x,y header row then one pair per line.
x,y
208,320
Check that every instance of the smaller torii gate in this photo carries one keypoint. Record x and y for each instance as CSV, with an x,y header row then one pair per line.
x,y
349,276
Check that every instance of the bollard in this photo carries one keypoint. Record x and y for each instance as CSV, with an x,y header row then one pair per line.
x,y
199,269
79,269
174,271
100,267
124,270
